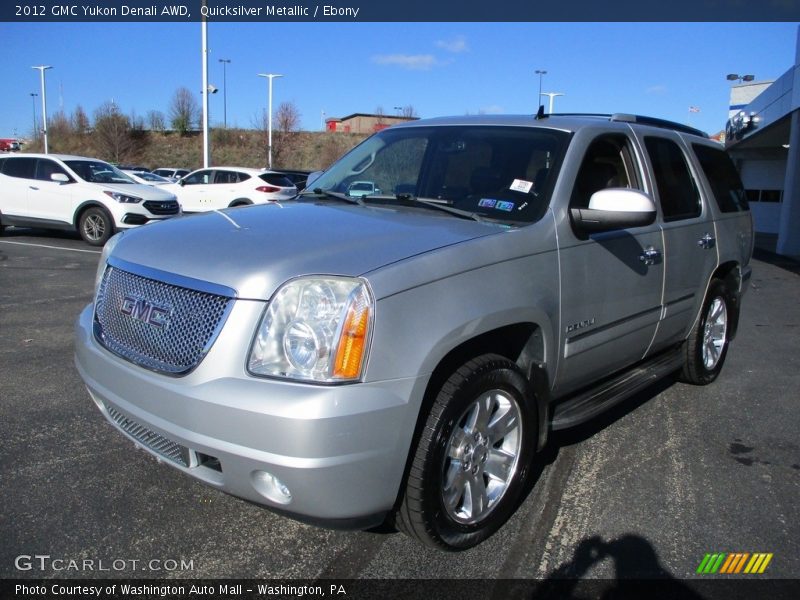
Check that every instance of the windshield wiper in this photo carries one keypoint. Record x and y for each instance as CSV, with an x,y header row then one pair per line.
x,y
319,192
432,203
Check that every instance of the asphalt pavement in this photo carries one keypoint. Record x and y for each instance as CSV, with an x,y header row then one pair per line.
x,y
645,491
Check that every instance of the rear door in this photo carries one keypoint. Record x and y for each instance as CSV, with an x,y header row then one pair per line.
x,y
17,176
689,235
611,282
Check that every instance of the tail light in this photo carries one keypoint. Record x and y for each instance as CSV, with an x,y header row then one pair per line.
x,y
268,189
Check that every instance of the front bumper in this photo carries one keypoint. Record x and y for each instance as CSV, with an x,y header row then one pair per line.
x,y
340,450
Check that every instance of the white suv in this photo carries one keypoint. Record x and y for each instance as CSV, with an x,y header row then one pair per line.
x,y
72,192
223,187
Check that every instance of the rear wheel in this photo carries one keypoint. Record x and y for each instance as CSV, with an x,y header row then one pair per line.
x,y
707,345
470,463
95,226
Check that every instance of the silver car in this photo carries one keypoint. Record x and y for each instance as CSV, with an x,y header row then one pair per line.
x,y
403,355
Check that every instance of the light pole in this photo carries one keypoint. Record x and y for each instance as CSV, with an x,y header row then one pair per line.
x,y
740,78
269,76
34,95
541,73
550,95
42,69
225,62
399,110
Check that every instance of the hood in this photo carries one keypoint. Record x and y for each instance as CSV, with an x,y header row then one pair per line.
x,y
257,248
145,192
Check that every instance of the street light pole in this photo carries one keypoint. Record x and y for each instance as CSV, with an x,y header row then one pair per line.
x,y
204,41
34,95
225,62
42,69
269,76
550,95
541,73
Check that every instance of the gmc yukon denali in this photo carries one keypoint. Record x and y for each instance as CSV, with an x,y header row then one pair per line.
x,y
401,355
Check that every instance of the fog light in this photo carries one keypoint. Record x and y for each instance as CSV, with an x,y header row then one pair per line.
x,y
271,487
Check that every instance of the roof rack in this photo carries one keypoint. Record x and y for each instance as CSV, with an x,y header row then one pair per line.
x,y
626,118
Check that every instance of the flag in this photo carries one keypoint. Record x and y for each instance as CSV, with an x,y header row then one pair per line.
x,y
694,109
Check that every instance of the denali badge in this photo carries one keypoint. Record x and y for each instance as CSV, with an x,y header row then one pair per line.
x,y
146,312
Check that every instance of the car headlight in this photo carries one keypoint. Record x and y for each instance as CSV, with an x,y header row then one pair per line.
x,y
123,198
101,266
315,329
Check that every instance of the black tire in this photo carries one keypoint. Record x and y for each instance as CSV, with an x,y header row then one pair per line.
x,y
95,226
466,476
707,345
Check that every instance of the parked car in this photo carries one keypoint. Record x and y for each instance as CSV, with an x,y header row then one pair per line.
x,y
10,145
403,356
136,168
358,189
77,193
171,173
146,177
223,187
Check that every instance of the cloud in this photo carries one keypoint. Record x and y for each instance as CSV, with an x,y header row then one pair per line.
x,y
413,62
455,45
656,90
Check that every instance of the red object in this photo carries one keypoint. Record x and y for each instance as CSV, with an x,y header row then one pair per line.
x,y
267,189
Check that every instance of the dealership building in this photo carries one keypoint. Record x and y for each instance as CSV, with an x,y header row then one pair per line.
x,y
763,138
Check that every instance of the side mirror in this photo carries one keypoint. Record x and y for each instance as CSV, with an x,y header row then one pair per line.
x,y
312,177
59,177
614,208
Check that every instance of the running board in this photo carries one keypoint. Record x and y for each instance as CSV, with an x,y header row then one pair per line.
x,y
589,403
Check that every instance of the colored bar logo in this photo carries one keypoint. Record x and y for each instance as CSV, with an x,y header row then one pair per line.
x,y
734,563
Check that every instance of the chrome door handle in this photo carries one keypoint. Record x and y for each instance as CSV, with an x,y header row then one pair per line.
x,y
650,256
707,241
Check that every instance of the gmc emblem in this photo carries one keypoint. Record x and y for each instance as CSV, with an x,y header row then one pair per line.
x,y
145,311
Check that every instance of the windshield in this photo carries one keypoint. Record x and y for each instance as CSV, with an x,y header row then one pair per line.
x,y
95,171
499,172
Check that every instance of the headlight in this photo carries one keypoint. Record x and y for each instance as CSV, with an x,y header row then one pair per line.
x,y
124,198
101,266
315,329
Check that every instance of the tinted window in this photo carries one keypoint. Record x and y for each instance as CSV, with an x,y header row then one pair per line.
x,y
278,180
200,177
722,177
20,167
677,190
46,167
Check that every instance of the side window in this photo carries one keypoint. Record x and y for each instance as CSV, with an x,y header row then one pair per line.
x,y
46,167
677,190
608,163
20,167
225,177
722,177
201,177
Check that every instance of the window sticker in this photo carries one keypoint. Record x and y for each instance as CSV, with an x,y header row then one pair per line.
x,y
520,185
504,205
487,203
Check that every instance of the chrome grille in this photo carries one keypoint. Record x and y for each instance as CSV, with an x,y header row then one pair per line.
x,y
156,442
159,326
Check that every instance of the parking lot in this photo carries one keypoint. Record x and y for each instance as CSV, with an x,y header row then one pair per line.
x,y
646,491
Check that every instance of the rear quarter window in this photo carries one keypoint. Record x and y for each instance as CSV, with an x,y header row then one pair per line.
x,y
722,177
20,167
276,179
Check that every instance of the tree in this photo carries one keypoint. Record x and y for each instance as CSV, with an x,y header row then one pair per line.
x,y
113,133
156,121
285,134
184,111
80,122
409,111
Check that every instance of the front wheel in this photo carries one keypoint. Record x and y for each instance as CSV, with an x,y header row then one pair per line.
x,y
470,463
707,345
95,226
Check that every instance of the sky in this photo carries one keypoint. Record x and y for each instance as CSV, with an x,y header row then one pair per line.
x,y
336,69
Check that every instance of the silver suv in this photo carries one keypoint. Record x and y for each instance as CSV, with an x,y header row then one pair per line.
x,y
403,355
